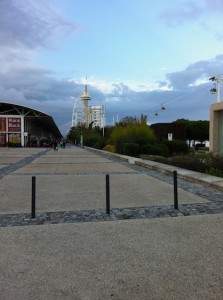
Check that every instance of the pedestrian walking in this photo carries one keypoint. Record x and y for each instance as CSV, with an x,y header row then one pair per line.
x,y
55,147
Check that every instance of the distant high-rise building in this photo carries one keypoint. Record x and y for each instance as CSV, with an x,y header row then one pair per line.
x,y
97,113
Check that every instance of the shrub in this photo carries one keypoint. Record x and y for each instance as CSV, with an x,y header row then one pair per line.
x,y
214,172
92,139
109,148
217,162
159,149
199,162
190,162
131,149
132,133
177,147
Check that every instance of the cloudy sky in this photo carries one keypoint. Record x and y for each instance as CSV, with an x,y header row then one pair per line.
x,y
137,55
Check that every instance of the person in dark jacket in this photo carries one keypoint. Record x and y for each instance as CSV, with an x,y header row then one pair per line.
x,y
55,145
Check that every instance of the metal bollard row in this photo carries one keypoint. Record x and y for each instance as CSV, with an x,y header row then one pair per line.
x,y
107,186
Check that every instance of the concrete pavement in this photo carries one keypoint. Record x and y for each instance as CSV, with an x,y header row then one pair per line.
x,y
74,179
177,258
158,258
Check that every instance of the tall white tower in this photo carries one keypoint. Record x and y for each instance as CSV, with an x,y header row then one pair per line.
x,y
81,111
85,97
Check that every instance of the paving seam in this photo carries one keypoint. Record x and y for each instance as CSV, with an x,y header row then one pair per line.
x,y
22,163
76,173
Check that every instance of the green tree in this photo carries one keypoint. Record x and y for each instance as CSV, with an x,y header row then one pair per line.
x,y
196,130
91,137
131,133
200,131
133,120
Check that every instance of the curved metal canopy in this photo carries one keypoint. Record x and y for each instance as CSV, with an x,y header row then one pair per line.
x,y
42,119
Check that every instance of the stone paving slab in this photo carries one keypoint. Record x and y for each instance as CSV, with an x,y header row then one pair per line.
x,y
73,151
8,159
76,192
11,156
69,159
85,167
167,258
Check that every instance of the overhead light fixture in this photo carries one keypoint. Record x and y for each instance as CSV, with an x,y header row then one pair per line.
x,y
217,90
213,90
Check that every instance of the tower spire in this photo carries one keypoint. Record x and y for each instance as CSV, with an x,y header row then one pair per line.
x,y
86,86
85,97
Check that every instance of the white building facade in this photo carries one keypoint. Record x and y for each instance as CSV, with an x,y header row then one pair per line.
x,y
97,116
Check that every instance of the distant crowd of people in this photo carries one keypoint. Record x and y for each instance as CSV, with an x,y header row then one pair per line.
x,y
61,144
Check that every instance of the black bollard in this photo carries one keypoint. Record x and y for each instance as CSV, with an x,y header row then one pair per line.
x,y
33,209
107,194
175,189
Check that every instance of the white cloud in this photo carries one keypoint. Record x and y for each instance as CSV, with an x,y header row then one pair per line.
x,y
181,94
27,25
30,24
104,86
112,99
120,87
199,81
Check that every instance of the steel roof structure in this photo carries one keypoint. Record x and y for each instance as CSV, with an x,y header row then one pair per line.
x,y
42,119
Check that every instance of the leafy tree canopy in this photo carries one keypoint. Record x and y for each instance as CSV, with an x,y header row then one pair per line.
x,y
196,130
133,120
131,130
91,137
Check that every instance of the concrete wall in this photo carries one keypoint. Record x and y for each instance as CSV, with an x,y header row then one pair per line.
x,y
216,128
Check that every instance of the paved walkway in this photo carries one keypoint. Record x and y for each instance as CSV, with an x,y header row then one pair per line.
x,y
143,250
44,160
